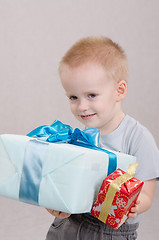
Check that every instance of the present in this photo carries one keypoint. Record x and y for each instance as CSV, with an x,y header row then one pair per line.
x,y
56,167
118,193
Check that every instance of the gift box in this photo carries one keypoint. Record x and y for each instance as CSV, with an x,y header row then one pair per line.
x,y
56,167
118,193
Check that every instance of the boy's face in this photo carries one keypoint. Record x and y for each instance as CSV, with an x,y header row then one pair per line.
x,y
92,95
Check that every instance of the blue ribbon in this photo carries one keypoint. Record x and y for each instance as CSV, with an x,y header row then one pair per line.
x,y
32,171
34,157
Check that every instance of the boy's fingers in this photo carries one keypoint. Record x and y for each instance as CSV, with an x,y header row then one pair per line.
x,y
137,202
64,215
53,212
133,209
58,213
49,210
132,215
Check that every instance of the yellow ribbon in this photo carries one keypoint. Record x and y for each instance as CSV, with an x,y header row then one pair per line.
x,y
113,188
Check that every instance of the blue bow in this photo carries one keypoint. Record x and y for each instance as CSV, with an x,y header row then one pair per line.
x,y
59,132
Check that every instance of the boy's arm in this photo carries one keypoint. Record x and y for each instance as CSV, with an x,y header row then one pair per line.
x,y
58,214
145,199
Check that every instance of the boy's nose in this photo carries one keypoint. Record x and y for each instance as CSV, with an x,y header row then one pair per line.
x,y
83,106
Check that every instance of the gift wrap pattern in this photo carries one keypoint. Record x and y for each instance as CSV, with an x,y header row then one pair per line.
x,y
117,195
56,167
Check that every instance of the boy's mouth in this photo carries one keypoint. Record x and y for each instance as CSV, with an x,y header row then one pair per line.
x,y
87,117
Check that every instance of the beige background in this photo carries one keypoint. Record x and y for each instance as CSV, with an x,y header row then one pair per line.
x,y
34,35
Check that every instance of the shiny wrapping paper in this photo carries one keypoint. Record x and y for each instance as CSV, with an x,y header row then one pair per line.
x,y
117,195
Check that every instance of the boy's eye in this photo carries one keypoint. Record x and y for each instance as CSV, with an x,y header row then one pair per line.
x,y
92,95
73,98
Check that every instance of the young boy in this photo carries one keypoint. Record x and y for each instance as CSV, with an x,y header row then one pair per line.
x,y
94,74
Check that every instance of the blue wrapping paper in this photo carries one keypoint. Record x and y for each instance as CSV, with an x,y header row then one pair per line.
x,y
56,167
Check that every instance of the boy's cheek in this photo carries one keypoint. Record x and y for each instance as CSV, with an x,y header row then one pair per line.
x,y
72,110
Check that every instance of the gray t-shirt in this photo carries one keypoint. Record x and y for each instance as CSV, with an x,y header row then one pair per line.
x,y
134,139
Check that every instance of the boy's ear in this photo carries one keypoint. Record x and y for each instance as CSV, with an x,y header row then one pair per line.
x,y
121,90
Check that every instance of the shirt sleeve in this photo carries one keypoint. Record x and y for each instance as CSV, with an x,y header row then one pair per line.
x,y
146,152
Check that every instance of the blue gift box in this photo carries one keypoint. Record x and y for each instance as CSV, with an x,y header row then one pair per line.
x,y
56,167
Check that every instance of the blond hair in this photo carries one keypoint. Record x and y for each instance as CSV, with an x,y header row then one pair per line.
x,y
99,50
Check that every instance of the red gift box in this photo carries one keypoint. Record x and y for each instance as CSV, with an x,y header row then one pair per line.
x,y
118,193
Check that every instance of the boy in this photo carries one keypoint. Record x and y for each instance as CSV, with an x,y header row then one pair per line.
x,y
94,74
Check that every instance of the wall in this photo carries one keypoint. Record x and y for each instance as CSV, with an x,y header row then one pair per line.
x,y
34,35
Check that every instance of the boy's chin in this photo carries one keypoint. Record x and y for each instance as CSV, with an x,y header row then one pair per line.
x,y
89,124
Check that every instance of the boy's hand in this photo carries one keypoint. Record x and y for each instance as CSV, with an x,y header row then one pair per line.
x,y
145,199
134,210
58,214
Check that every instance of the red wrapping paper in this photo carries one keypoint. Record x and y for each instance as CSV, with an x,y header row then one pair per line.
x,y
125,197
